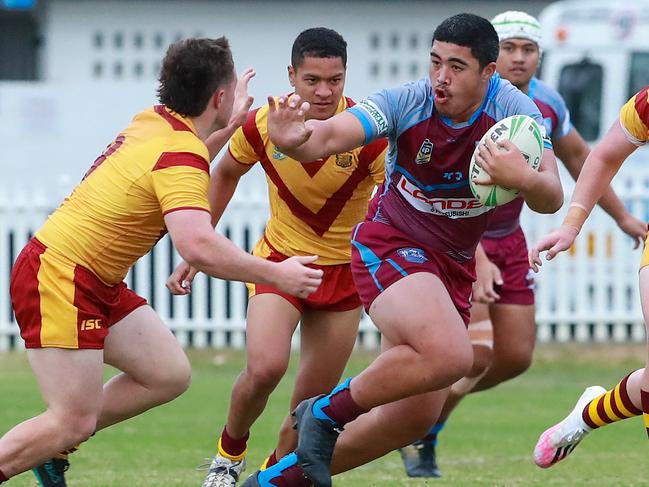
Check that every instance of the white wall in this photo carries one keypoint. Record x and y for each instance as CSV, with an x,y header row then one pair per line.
x,y
50,132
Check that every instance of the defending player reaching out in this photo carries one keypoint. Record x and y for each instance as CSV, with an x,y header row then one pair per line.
x,y
73,308
314,207
413,262
630,397
502,324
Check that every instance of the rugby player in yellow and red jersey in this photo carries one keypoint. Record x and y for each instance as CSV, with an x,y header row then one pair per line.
x,y
314,207
630,397
75,312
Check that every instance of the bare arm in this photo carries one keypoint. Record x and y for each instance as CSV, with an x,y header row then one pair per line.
x,y
223,183
314,139
601,165
573,151
542,189
203,248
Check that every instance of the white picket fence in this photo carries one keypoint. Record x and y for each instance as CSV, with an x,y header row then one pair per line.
x,y
588,295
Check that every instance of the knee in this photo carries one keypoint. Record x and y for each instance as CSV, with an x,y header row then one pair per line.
x,y
174,380
265,375
459,362
76,427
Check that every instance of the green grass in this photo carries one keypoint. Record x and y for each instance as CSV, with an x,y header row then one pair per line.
x,y
488,442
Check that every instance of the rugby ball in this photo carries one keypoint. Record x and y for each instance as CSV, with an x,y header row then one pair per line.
x,y
524,133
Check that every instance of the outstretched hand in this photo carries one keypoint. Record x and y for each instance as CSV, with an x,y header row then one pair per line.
x,y
286,127
242,100
554,242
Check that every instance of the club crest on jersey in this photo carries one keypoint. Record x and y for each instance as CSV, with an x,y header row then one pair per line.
x,y
344,160
412,254
425,151
277,155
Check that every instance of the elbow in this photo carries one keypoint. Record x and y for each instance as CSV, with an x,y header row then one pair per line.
x,y
193,250
551,203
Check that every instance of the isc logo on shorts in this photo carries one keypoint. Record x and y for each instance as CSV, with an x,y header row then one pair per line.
x,y
412,254
91,324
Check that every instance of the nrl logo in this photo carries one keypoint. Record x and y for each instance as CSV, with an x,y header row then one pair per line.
x,y
344,160
425,151
277,155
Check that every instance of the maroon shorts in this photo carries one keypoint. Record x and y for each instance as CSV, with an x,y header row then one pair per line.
x,y
509,253
64,305
337,291
382,255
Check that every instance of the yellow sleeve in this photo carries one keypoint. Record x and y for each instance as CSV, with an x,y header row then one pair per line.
x,y
180,181
240,148
634,118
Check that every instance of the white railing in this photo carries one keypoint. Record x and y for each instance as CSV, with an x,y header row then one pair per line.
x,y
590,294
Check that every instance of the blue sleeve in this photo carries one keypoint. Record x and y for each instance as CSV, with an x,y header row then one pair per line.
x,y
389,112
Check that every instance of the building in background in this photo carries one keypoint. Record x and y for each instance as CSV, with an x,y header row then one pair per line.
x,y
72,72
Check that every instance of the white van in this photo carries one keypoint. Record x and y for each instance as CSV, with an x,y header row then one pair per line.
x,y
596,53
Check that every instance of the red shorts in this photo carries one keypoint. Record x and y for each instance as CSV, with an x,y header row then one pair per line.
x,y
509,253
336,292
382,255
64,305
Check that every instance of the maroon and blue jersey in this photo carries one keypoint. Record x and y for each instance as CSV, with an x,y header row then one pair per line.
x,y
556,120
427,194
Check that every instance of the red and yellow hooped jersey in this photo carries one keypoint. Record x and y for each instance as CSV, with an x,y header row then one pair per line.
x,y
634,117
155,166
313,206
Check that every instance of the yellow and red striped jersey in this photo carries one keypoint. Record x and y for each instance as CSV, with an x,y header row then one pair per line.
x,y
115,215
315,205
634,117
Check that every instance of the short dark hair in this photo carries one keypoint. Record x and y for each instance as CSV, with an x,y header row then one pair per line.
x,y
473,31
192,70
318,42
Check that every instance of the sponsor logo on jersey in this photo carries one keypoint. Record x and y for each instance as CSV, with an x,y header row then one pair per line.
x,y
412,254
448,207
277,155
425,151
344,160
87,325
377,116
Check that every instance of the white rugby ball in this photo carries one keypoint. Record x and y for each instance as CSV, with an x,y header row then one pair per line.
x,y
524,133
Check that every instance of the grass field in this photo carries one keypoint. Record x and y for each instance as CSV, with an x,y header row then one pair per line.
x,y
488,442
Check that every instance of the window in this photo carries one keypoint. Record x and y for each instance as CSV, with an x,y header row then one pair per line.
x,y
639,72
580,85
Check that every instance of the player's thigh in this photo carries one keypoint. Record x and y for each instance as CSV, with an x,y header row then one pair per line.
x,y
644,293
327,339
70,381
271,322
142,346
514,331
418,311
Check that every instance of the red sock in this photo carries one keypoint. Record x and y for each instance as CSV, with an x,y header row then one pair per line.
x,y
3,477
233,446
272,459
644,395
292,477
342,408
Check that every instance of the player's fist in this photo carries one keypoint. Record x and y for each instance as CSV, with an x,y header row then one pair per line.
x,y
180,280
295,278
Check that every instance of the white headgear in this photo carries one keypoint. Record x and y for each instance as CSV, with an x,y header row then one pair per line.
x,y
515,24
